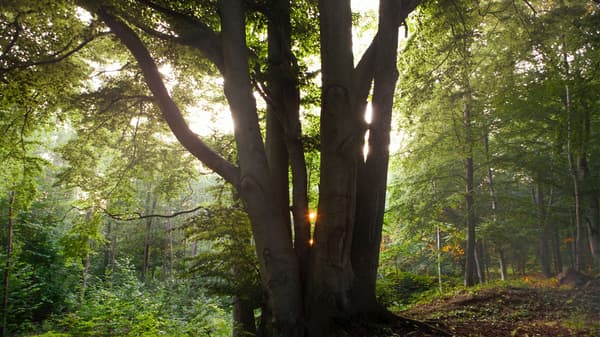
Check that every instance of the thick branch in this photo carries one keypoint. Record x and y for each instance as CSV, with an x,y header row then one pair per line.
x,y
191,32
169,109
365,69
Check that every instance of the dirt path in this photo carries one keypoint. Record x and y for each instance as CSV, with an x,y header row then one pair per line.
x,y
516,312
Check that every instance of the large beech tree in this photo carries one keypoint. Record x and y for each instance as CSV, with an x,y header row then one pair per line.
x,y
306,285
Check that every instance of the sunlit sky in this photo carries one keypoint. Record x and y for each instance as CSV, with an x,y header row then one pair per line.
x,y
364,5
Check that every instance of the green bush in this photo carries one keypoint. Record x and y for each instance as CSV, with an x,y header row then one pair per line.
x,y
133,309
398,289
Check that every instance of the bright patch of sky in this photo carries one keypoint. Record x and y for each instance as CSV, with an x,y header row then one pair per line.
x,y
364,5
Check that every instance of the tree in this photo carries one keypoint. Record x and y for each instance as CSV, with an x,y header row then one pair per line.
x,y
306,285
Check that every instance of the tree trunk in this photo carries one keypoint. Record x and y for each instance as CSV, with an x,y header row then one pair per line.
x,y
558,264
243,318
553,235
503,273
544,250
575,180
284,104
439,257
330,271
147,237
277,259
85,261
470,259
330,277
479,262
7,267
169,230
107,250
593,208
372,179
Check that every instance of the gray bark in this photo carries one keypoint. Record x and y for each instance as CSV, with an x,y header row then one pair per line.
x,y
277,259
372,179
470,262
330,271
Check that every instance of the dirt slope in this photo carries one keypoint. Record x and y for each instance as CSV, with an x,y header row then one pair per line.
x,y
523,311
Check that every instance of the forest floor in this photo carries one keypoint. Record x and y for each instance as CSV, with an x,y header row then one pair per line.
x,y
533,309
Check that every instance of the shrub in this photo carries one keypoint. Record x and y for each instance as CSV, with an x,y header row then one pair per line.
x,y
398,289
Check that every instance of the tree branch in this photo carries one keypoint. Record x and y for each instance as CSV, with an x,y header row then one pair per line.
x,y
55,57
192,32
365,69
139,216
169,109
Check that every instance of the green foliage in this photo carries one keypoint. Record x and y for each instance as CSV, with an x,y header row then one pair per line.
x,y
131,309
398,289
226,263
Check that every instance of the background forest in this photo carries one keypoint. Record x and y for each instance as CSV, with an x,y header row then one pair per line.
x,y
111,228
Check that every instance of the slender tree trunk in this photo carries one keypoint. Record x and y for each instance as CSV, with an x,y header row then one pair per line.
x,y
107,252
194,249
470,259
478,265
558,264
553,235
85,261
544,249
439,257
171,278
575,180
114,243
147,237
503,274
494,202
7,267
480,260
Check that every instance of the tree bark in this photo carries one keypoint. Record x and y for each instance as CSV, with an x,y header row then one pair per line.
x,y
558,263
243,318
470,263
544,250
284,110
372,179
277,259
169,230
7,267
147,237
593,208
503,273
342,128
330,271
85,261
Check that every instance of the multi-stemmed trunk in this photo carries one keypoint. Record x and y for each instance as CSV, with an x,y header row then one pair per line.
x,y
301,291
